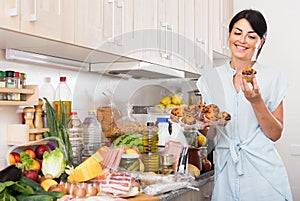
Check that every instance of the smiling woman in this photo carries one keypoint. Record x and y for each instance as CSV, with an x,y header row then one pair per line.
x,y
245,151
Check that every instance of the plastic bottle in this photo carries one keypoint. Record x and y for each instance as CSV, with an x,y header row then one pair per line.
x,y
47,90
75,133
92,134
163,131
150,139
63,95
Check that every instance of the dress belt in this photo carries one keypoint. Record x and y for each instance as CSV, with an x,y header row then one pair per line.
x,y
235,147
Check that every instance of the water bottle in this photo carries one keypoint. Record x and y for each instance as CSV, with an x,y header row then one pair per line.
x,y
47,90
75,130
92,134
63,95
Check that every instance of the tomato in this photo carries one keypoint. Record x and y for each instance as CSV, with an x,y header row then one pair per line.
x,y
30,153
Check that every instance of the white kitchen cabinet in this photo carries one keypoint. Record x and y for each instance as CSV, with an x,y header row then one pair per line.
x,y
220,14
10,15
52,19
88,28
196,35
145,29
170,29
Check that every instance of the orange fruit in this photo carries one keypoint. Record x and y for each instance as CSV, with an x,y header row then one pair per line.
x,y
36,166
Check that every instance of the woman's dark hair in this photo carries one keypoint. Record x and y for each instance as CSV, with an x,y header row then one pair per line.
x,y
256,20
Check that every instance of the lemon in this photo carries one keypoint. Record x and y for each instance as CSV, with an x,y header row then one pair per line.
x,y
165,100
201,140
131,151
176,99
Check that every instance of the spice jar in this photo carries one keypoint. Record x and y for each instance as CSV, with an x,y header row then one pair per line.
x,y
2,84
10,83
18,85
130,162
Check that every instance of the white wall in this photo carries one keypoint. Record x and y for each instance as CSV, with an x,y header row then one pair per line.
x,y
87,89
282,50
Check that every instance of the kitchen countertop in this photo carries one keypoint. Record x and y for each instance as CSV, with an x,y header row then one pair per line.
x,y
204,179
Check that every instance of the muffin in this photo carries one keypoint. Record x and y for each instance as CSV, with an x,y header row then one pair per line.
x,y
248,74
190,110
188,120
178,112
224,116
211,116
211,108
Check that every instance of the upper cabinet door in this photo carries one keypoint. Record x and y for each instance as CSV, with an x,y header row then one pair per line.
x,y
221,12
170,28
49,18
197,53
89,23
9,14
144,29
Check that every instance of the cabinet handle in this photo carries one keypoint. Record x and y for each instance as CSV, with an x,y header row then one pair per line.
x,y
122,6
14,11
165,53
33,17
112,38
59,7
200,62
171,54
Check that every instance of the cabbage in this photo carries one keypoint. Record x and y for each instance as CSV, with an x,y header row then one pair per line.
x,y
53,164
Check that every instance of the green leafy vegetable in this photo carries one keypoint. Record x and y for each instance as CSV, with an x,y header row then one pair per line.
x,y
26,161
59,130
54,163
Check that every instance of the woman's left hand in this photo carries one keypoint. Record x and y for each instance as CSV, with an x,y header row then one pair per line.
x,y
251,94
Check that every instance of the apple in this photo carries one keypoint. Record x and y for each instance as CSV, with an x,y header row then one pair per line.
x,y
39,151
31,174
14,158
206,165
30,153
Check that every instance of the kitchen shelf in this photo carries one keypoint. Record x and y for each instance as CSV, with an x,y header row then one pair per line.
x,y
38,130
30,92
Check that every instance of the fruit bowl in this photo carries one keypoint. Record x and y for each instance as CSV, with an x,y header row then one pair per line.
x,y
32,147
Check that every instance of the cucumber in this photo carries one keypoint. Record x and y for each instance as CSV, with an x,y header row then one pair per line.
x,y
34,185
34,198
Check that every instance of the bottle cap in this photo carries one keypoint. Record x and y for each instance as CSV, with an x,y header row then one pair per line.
x,y
10,73
91,110
17,74
73,113
162,119
63,79
150,123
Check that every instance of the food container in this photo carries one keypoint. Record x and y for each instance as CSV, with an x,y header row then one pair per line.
x,y
151,162
130,162
195,157
50,142
166,163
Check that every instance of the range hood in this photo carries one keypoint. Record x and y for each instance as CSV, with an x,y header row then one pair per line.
x,y
137,70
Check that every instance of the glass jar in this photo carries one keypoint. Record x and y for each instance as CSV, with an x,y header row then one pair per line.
x,y
10,83
130,162
23,80
18,85
166,164
2,84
